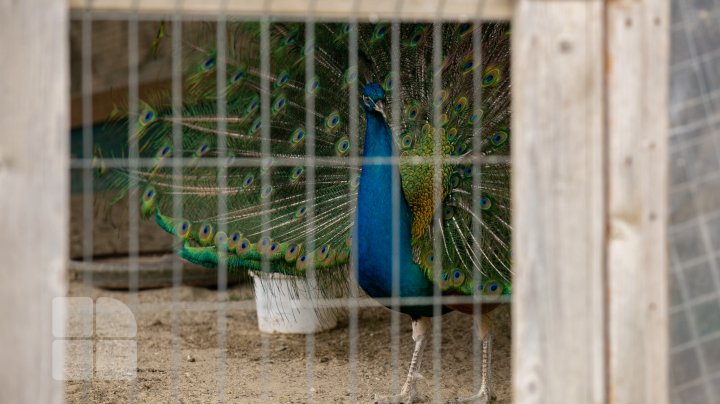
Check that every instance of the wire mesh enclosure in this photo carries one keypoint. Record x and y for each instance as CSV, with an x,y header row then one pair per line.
x,y
253,186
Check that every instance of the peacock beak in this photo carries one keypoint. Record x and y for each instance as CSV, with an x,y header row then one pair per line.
x,y
379,107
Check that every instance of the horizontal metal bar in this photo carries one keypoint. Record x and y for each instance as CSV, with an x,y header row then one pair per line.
x,y
80,163
372,10
340,303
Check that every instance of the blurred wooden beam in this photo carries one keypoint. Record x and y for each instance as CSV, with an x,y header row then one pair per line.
x,y
637,77
34,174
322,9
558,203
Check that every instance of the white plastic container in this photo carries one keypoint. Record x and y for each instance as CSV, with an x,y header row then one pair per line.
x,y
288,305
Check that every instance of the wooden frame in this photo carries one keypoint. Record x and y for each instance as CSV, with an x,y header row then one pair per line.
x,y
590,159
34,178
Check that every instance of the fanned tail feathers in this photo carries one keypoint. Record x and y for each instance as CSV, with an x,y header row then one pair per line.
x,y
237,233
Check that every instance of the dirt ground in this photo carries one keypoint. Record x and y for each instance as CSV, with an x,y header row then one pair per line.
x,y
192,373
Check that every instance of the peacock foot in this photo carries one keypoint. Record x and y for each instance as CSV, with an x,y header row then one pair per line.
x,y
408,395
484,396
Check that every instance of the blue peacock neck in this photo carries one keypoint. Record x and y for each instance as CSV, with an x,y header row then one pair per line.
x,y
374,223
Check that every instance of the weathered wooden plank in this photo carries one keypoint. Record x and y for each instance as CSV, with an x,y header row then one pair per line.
x,y
34,203
637,130
324,9
558,202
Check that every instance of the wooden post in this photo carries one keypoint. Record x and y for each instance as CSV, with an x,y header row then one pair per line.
x,y
637,65
558,202
34,185
590,197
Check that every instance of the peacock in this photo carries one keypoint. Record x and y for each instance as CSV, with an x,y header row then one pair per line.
x,y
277,190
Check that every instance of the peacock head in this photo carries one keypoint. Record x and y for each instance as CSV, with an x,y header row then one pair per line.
x,y
373,98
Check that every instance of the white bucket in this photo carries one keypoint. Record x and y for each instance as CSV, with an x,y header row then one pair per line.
x,y
288,305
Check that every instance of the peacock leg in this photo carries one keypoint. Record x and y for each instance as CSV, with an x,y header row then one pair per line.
x,y
486,393
409,393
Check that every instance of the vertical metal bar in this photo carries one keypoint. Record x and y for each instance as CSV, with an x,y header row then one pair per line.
x,y
354,153
437,196
310,190
133,166
395,313
177,199
221,80
87,175
265,177
476,195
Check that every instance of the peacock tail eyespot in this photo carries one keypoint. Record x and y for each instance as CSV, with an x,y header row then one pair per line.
x,y
407,141
460,149
248,180
379,32
461,104
243,247
455,180
252,105
323,252
220,238
442,97
267,191
183,229
355,183
313,86
448,212
301,262
239,76
209,63
389,82
278,104
491,76
351,75
493,288
485,203
164,151
464,29
411,112
292,37
468,171
206,233
282,79
429,260
417,36
444,120
499,138
146,116
300,212
332,121
296,173
444,281
255,126
292,253
468,63
149,194
202,150
342,146
297,136
457,278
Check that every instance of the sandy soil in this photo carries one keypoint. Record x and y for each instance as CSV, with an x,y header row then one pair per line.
x,y
194,372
